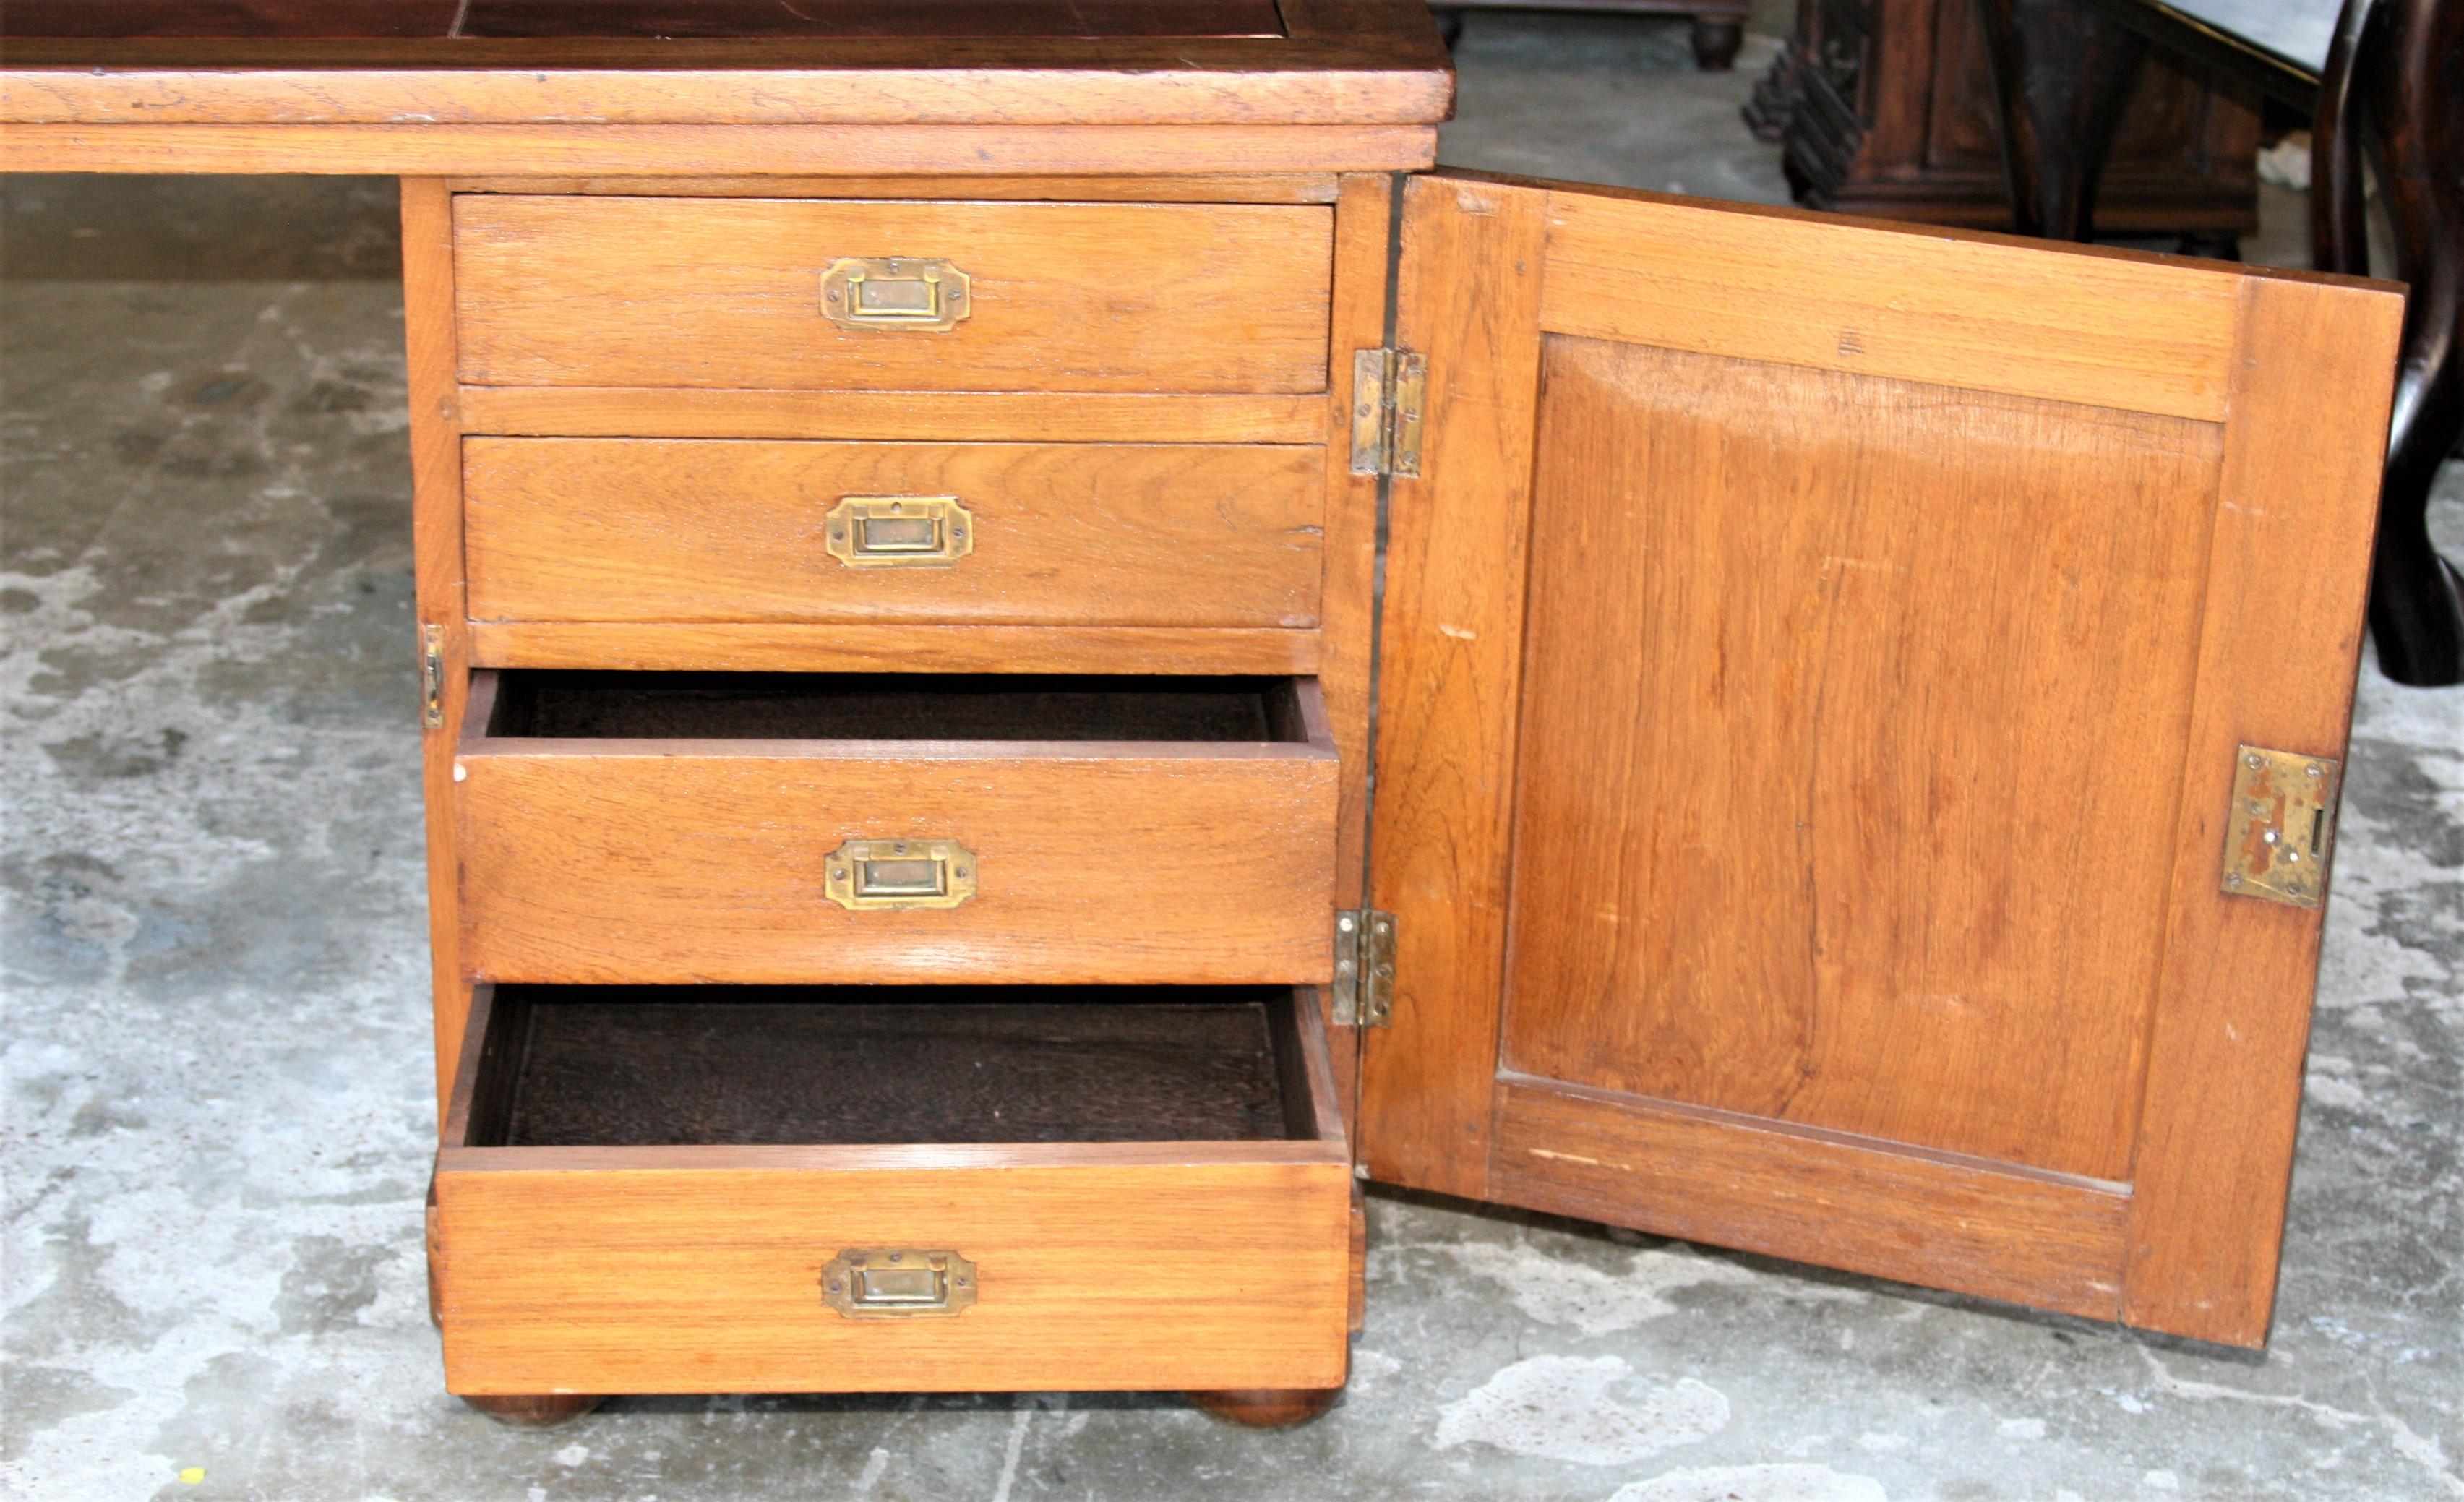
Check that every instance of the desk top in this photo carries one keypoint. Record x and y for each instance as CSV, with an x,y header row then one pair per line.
x,y
420,69
2278,46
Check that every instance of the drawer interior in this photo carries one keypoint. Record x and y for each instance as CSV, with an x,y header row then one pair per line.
x,y
646,1065
559,704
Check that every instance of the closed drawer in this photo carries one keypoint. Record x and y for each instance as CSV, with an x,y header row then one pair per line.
x,y
719,292
625,529
648,1189
636,827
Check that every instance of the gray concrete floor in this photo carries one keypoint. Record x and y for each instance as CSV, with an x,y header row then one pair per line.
x,y
217,1119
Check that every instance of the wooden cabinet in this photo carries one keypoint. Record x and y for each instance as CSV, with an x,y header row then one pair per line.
x,y
1887,107
898,633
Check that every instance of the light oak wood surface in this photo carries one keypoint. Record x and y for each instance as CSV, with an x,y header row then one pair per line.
x,y
439,601
487,150
894,416
1864,722
687,1269
700,292
1123,535
685,861
862,647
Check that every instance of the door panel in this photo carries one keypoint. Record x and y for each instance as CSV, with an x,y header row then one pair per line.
x,y
1814,661
1872,637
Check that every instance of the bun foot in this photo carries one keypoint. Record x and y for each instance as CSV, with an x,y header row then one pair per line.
x,y
528,1411
1267,1407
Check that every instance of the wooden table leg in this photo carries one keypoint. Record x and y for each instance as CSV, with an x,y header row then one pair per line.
x,y
545,1411
1716,40
1267,1407
2390,83
2060,74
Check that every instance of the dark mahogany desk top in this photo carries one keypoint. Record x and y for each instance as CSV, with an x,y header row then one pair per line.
x,y
297,20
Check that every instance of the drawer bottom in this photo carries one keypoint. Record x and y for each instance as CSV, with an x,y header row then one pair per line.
x,y
889,1188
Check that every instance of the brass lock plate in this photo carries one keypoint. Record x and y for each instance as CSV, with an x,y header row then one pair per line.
x,y
897,1283
896,294
899,531
2282,828
873,875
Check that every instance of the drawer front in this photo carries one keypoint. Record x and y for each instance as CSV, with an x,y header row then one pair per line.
x,y
686,861
731,293
1183,1270
1023,533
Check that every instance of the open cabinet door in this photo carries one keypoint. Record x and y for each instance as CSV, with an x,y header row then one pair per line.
x,y
1817,663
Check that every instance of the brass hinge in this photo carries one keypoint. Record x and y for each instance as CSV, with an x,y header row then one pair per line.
x,y
431,677
1388,387
2280,831
1364,968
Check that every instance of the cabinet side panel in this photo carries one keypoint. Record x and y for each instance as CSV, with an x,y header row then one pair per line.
x,y
436,549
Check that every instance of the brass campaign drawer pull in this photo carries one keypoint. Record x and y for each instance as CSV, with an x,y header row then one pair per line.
x,y
867,874
897,293
899,531
897,1284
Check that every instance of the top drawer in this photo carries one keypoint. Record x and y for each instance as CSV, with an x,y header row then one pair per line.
x,y
720,293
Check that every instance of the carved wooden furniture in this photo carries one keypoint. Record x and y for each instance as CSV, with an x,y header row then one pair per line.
x,y
1888,108
895,523
1719,25
2380,78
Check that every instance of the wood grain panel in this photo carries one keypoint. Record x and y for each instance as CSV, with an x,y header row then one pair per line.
x,y
1977,312
480,151
1143,534
917,416
862,648
436,549
1298,187
1171,1275
685,861
1963,1225
2290,549
726,293
697,1269
1449,677
1854,807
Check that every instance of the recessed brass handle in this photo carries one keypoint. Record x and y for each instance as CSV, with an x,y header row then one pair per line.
x,y
897,293
899,531
897,1283
867,875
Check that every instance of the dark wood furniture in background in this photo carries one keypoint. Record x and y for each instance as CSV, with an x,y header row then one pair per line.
x,y
1719,25
1887,107
2383,78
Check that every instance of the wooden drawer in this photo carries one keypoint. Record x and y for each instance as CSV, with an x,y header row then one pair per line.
x,y
674,292
653,1189
598,529
634,826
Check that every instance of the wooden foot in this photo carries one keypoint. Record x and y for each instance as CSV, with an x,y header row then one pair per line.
x,y
1716,43
525,1411
1267,1407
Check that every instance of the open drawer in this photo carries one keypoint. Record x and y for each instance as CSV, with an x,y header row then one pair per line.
x,y
757,827
893,1188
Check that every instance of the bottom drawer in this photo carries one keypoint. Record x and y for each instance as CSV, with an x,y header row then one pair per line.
x,y
893,1188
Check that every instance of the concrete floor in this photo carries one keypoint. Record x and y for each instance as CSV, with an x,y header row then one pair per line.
x,y
218,1114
